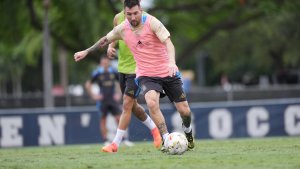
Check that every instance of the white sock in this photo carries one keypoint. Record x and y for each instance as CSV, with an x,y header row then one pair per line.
x,y
165,136
126,135
187,129
149,123
119,136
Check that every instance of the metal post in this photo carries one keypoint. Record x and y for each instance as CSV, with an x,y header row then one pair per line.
x,y
47,61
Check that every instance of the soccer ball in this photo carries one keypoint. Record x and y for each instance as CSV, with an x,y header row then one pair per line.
x,y
176,143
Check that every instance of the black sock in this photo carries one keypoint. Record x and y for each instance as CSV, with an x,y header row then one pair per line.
x,y
186,120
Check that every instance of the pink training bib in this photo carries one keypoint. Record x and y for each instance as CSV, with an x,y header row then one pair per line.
x,y
149,52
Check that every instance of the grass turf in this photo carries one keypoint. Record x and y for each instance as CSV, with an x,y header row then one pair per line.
x,y
269,153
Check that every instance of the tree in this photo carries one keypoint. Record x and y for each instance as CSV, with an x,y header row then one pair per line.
x,y
221,28
264,47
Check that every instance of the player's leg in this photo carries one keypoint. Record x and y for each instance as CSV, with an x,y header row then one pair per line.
x,y
174,90
147,121
124,118
129,88
132,90
151,89
117,117
102,123
116,112
122,126
185,113
152,100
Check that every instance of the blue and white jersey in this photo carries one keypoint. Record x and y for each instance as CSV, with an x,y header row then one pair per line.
x,y
106,80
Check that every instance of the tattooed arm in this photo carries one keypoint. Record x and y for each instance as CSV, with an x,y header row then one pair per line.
x,y
99,44
113,35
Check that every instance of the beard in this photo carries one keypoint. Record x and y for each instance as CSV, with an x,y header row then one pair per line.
x,y
134,23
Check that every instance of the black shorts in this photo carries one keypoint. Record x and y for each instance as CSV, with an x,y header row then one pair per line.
x,y
128,85
170,86
110,107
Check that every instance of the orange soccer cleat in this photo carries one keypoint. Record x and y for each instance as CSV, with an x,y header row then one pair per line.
x,y
111,148
156,137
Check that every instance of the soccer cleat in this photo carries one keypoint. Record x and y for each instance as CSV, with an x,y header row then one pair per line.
x,y
111,148
156,137
190,138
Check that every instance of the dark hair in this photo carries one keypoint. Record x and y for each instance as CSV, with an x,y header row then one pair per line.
x,y
131,3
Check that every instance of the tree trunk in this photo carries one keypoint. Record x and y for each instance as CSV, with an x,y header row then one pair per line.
x,y
47,61
17,85
63,72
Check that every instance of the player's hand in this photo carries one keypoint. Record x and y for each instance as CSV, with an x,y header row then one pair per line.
x,y
97,97
111,52
117,97
80,55
173,69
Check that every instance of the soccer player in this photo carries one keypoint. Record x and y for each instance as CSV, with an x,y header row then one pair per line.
x,y
126,69
156,71
108,100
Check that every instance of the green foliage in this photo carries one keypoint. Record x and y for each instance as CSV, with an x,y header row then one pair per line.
x,y
29,47
13,28
247,49
240,37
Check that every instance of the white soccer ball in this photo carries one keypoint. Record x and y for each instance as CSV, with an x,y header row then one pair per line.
x,y
176,143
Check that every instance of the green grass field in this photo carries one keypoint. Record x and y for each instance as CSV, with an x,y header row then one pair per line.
x,y
277,152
